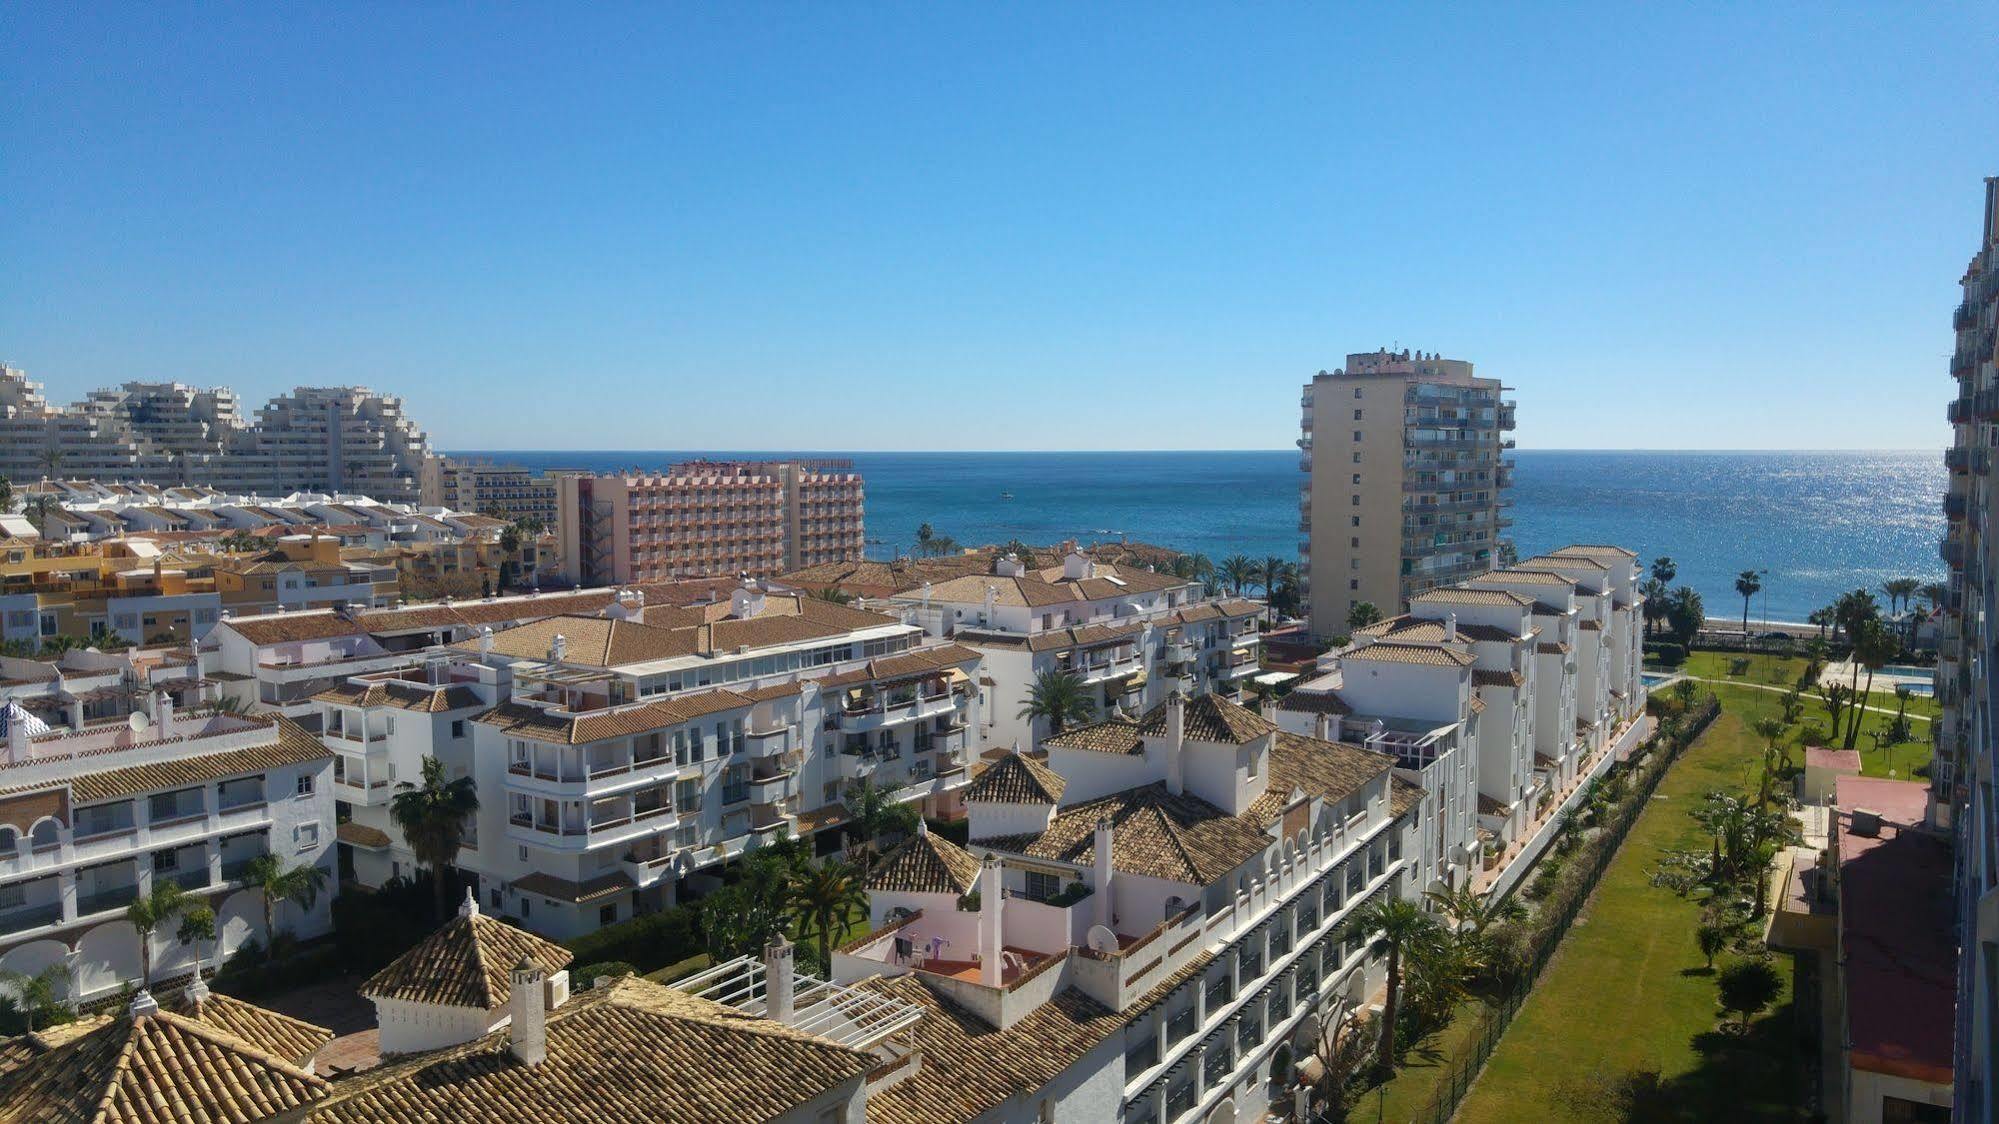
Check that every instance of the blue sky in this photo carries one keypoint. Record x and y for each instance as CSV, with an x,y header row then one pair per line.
x,y
1005,227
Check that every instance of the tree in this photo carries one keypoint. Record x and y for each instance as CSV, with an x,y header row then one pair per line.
x,y
1361,615
744,916
1874,646
828,897
510,548
1711,937
1837,697
1771,730
1684,689
1748,583
1397,926
924,534
836,596
1664,570
1059,696
1471,912
6,494
432,817
276,885
1270,572
1817,651
1238,571
1901,592
152,911
1851,609
1748,986
36,998
873,811
1685,615
1935,594
1655,595
1823,619
1342,1047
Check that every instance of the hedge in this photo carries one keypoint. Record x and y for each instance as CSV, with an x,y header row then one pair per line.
x,y
1666,652
647,942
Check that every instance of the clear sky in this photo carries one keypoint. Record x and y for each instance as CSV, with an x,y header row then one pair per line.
x,y
836,226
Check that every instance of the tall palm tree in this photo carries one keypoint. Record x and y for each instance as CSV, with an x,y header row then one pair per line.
x,y
1822,618
1874,646
1664,570
826,898
510,548
1397,926
1238,571
1361,615
152,911
1685,614
1852,608
1271,572
873,811
836,596
1771,730
276,885
1934,593
1470,912
432,818
1652,604
1748,583
1060,697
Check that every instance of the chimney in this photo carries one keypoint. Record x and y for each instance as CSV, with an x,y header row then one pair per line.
x,y
986,606
485,640
1176,740
470,906
1104,872
780,980
558,648
197,992
1451,626
527,1037
143,1004
991,947
163,712
76,715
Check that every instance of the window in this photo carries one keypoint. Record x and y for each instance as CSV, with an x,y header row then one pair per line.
x,y
1353,584
1356,542
1356,435
1356,478
607,915
1041,887
527,908
302,786
1356,392
1356,520
458,728
1355,499
166,862
1356,414
13,897
306,836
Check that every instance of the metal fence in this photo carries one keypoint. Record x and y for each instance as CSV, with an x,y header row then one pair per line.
x,y
1457,1081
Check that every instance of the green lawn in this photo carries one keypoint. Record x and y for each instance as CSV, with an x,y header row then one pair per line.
x,y
1432,1059
1627,990
1744,695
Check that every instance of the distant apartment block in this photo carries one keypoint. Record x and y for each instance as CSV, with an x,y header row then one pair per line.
x,y
1964,774
708,517
509,491
1405,480
324,439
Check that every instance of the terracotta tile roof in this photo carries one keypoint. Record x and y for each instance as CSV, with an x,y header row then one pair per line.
x,y
1525,577
591,641
1544,609
1429,655
1113,735
633,1051
404,696
1558,559
294,1040
926,863
281,628
969,1068
1419,630
1593,550
157,1068
576,893
1490,806
1458,595
1154,833
1548,649
1331,771
1402,796
1589,625
1481,677
361,835
1314,702
293,746
524,721
1017,779
1213,719
464,964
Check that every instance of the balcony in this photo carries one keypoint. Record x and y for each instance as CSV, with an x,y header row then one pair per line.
x,y
1100,671
1955,504
892,710
771,790
104,901
763,744
29,917
196,879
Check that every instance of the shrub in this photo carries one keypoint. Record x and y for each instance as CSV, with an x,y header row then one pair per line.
x,y
1748,986
1666,652
1738,665
373,927
248,976
958,831
648,941
588,974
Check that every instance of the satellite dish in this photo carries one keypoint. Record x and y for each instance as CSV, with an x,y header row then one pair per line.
x,y
898,913
1101,939
137,722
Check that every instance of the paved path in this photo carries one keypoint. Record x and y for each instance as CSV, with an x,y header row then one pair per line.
x,y
1787,690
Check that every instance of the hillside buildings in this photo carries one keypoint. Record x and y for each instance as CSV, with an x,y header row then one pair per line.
x,y
706,517
1964,773
1405,482
319,439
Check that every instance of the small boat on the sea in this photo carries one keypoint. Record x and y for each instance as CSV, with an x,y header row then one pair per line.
x,y
1006,495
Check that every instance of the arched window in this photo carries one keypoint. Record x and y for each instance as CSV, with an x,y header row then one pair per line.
x,y
46,833
10,840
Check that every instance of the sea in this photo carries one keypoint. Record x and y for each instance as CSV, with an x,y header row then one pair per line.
x,y
1814,523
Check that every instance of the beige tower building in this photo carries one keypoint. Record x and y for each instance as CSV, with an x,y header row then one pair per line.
x,y
1405,482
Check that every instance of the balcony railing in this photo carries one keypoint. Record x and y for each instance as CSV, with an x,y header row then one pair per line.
x,y
104,900
30,917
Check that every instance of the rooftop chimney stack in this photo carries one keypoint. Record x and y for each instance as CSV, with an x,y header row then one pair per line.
x,y
1105,872
780,980
558,648
1451,626
527,1035
992,948
1176,741
485,640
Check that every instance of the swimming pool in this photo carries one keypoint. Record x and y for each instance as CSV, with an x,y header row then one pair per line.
x,y
1653,680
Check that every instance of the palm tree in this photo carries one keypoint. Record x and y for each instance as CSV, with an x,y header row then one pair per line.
x,y
1685,614
1900,591
147,914
1664,570
836,596
35,995
6,494
1061,698
1471,913
1361,615
1238,571
1874,646
1935,593
924,533
873,811
300,886
1397,926
1823,619
827,898
1771,730
1652,604
510,547
432,818
1852,608
1748,583
1271,572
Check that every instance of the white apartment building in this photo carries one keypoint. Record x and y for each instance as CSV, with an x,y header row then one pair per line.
x,y
332,439
1141,926
1133,636
1478,690
95,814
1405,481
617,754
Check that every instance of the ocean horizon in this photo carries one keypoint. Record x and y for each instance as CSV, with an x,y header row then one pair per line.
x,y
1817,523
